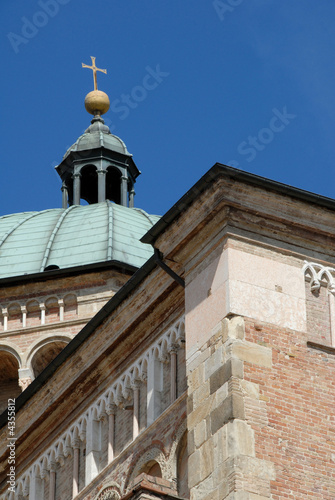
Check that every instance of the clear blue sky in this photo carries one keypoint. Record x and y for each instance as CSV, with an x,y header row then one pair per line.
x,y
249,83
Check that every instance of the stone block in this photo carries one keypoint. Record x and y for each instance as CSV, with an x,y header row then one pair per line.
x,y
200,394
250,389
221,394
206,489
232,368
214,495
194,469
200,433
252,353
255,467
198,358
200,413
220,447
240,438
233,328
207,458
196,378
214,362
232,407
190,442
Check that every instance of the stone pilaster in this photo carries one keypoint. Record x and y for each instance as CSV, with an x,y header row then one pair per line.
x,y
222,459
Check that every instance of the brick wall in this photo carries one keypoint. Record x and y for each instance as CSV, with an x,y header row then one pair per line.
x,y
123,429
261,415
292,413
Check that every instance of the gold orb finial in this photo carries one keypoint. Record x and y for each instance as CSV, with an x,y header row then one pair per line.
x,y
96,102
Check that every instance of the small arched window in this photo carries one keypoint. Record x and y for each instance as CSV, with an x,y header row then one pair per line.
x,y
152,468
113,185
89,184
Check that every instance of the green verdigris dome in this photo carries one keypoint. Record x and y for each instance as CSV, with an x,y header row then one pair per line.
x,y
79,235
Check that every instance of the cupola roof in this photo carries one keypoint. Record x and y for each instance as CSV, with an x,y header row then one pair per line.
x,y
33,242
96,136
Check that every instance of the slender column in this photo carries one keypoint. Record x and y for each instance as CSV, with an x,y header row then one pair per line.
x,y
93,447
101,185
131,197
5,319
75,482
61,309
154,388
136,411
42,308
52,482
64,195
124,185
76,189
24,316
36,490
173,373
111,411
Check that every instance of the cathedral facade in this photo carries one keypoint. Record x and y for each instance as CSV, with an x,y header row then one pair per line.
x,y
188,356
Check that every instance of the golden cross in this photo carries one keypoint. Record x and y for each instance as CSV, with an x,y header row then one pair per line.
x,y
95,69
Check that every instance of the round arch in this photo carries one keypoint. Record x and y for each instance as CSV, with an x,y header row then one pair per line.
x,y
147,462
43,351
12,349
9,375
152,468
110,491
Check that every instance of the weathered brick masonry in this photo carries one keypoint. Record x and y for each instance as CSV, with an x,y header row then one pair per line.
x,y
297,399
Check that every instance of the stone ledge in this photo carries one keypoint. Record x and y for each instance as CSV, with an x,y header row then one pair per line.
x,y
47,326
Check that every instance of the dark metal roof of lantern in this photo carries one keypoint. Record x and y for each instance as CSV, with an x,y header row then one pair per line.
x,y
98,166
96,136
